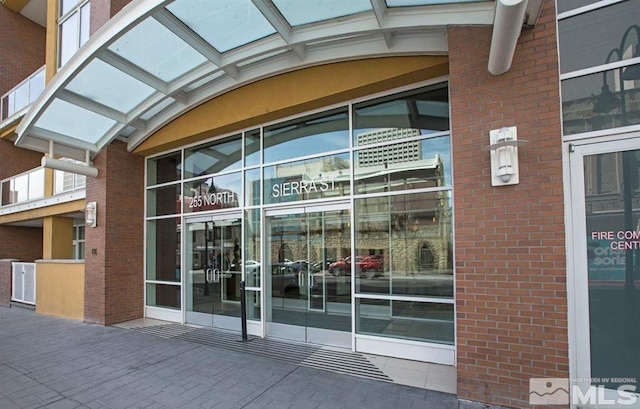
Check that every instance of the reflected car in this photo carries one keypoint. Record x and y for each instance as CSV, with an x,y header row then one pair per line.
x,y
285,280
366,266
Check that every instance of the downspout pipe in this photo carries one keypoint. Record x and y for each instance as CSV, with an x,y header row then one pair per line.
x,y
507,25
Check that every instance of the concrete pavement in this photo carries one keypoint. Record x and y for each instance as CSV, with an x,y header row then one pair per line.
x,y
47,362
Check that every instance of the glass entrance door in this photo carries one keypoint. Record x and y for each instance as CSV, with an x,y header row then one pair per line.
x,y
605,182
213,264
305,302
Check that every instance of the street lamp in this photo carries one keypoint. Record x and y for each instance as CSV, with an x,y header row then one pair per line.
x,y
607,101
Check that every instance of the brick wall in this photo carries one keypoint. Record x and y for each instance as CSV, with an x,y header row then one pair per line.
x,y
22,44
114,275
103,10
5,282
510,249
22,243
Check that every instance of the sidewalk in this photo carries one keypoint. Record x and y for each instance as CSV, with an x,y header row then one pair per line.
x,y
54,363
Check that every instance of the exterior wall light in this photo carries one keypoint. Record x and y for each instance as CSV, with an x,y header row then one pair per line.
x,y
91,214
503,145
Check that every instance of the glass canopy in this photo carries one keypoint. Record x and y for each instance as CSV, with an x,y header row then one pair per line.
x,y
155,60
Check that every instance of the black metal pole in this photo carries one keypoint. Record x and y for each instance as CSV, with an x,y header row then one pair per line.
x,y
243,310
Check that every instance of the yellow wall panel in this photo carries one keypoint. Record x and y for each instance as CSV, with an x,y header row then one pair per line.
x,y
292,93
60,289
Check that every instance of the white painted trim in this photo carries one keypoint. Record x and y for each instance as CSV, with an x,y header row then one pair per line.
x,y
163,314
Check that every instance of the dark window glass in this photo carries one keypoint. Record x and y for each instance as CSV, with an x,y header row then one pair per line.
x,y
214,157
420,321
163,249
566,5
600,101
252,148
163,201
401,116
604,35
163,169
612,196
313,134
163,295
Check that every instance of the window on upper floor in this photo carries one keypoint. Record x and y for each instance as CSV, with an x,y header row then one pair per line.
x,y
73,28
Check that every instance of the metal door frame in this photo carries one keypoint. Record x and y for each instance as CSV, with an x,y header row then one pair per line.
x,y
227,322
577,262
301,208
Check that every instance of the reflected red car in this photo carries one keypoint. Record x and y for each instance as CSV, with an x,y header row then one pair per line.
x,y
366,266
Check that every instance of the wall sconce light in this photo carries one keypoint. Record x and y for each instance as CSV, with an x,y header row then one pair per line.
x,y
91,214
503,145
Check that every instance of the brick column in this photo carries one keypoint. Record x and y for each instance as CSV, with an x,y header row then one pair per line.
x,y
5,282
114,275
510,245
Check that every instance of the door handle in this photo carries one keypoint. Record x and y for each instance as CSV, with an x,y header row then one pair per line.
x,y
300,279
216,275
209,273
311,281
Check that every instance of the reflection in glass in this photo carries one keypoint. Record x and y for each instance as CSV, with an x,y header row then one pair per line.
x,y
420,321
301,248
585,40
163,249
404,245
252,185
252,148
252,247
253,299
315,178
612,202
407,165
213,257
163,295
401,116
314,134
566,5
163,200
215,157
213,193
600,101
163,169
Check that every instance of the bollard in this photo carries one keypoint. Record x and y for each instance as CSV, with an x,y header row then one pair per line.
x,y
243,310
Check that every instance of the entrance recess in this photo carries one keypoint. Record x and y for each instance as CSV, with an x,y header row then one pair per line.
x,y
305,302
212,260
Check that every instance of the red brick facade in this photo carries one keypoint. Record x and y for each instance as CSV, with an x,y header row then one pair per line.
x,y
511,294
103,10
22,243
113,275
23,48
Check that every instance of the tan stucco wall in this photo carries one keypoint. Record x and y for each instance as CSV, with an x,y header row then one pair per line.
x,y
57,237
60,289
292,93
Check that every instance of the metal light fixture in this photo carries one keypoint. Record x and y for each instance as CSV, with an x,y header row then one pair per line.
x,y
91,214
503,145
633,72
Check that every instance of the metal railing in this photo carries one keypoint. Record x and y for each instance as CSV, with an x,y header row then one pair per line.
x,y
23,187
23,94
29,185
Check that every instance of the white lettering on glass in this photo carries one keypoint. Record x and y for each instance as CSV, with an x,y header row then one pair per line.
x,y
303,187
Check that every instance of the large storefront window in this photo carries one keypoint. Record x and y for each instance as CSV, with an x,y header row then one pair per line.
x,y
612,203
334,213
600,79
